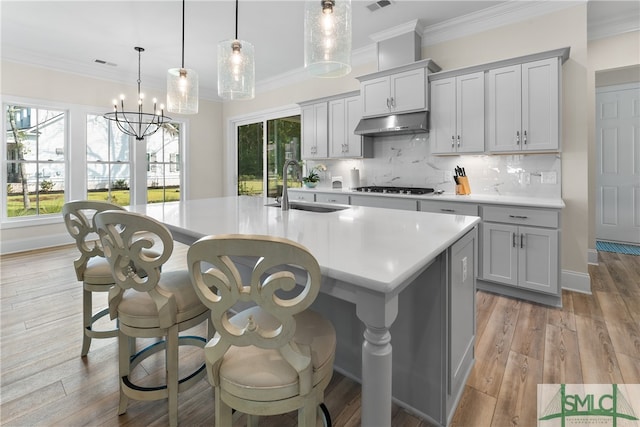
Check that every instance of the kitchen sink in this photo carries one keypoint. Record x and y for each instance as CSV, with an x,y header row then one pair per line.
x,y
310,207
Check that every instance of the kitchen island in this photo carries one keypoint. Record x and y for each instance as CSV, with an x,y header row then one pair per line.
x,y
378,265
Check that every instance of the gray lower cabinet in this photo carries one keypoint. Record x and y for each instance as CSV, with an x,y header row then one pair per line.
x,y
453,208
384,202
332,198
302,195
520,248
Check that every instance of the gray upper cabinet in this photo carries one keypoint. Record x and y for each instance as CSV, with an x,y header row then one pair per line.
x,y
457,114
315,130
524,102
397,93
344,115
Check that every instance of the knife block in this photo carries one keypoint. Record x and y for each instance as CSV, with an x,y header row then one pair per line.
x,y
463,187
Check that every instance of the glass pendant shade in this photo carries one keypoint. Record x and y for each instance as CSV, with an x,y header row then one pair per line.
x,y
327,37
182,91
236,70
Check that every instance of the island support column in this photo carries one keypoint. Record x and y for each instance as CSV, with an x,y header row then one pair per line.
x,y
377,311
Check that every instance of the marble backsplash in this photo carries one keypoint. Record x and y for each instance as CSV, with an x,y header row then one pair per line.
x,y
407,161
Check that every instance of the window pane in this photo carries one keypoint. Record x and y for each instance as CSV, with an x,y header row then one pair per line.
x,y
283,143
163,164
97,139
35,169
250,169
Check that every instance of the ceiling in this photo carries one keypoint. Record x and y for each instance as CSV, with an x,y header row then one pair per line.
x,y
71,35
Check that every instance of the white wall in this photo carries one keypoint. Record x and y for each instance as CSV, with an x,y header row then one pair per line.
x,y
204,150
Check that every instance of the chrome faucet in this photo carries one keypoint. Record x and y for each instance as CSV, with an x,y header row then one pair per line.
x,y
284,202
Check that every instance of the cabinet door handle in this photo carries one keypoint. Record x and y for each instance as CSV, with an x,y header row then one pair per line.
x,y
522,241
517,137
458,141
388,103
513,239
525,136
393,102
453,141
331,200
448,210
518,216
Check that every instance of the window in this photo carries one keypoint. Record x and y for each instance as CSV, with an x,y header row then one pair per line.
x,y
261,155
108,162
35,165
163,164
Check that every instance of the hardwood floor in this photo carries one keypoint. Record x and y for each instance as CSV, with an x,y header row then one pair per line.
x,y
43,380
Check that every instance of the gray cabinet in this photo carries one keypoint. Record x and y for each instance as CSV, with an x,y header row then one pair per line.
x,y
315,130
342,199
385,202
520,248
524,103
457,114
396,93
453,208
301,195
344,115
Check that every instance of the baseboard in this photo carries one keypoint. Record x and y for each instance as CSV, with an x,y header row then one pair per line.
x,y
576,282
33,243
592,256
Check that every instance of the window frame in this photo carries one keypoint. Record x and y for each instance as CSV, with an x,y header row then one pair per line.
x,y
75,162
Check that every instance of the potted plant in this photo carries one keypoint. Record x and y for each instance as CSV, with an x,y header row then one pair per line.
x,y
312,178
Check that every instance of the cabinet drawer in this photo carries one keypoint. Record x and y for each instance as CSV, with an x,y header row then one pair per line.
x,y
332,198
384,202
523,216
449,207
301,195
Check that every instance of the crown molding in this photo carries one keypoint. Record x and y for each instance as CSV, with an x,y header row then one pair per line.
x,y
613,27
497,16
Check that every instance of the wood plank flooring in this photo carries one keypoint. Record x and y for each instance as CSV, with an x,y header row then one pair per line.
x,y
43,380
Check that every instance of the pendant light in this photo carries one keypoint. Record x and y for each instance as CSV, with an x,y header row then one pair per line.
x,y
182,85
138,123
236,68
327,37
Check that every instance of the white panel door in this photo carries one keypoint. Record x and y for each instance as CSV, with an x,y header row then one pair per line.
x,y
337,128
470,113
538,259
618,164
408,91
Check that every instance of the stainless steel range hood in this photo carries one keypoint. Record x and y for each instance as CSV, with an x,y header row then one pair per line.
x,y
396,124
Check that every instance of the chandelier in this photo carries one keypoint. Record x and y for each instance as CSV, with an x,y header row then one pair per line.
x,y
137,123
182,86
236,68
327,37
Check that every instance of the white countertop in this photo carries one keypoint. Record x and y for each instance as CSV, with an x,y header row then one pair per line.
x,y
536,202
379,249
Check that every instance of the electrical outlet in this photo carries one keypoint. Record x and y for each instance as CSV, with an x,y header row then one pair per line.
x,y
464,269
548,177
525,178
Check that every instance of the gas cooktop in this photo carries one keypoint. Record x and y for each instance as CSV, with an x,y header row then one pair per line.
x,y
394,190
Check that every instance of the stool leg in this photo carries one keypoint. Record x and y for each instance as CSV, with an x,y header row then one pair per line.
x,y
86,321
172,374
124,364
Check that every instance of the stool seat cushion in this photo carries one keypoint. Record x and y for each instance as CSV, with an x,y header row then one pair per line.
x,y
250,371
137,309
98,272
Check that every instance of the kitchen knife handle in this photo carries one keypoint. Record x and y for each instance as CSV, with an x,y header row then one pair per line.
x,y
517,137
